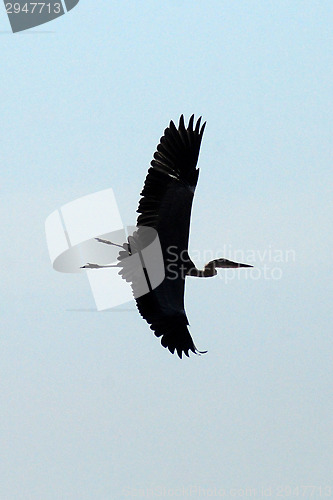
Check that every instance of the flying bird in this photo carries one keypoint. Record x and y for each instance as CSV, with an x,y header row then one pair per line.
x,y
165,206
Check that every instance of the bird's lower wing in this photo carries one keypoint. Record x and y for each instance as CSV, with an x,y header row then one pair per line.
x,y
173,329
161,306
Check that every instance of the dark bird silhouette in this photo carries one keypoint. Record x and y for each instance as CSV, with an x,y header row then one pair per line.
x,y
165,206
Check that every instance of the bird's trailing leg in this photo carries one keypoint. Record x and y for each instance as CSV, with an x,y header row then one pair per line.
x,y
95,266
108,242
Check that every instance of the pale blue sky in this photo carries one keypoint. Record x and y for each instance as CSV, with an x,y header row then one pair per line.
x,y
92,407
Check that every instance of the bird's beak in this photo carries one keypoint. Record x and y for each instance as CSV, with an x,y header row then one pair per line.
x,y
225,263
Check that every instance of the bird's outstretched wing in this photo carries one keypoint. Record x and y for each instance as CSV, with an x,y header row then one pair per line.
x,y
166,206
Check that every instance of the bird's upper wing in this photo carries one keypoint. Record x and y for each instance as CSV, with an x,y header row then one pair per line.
x,y
166,206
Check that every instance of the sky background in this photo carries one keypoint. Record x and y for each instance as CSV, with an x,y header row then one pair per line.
x,y
91,406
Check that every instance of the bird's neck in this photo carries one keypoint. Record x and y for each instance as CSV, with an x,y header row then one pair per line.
x,y
208,271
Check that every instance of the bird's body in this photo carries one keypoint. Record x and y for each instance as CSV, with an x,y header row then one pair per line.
x,y
165,206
